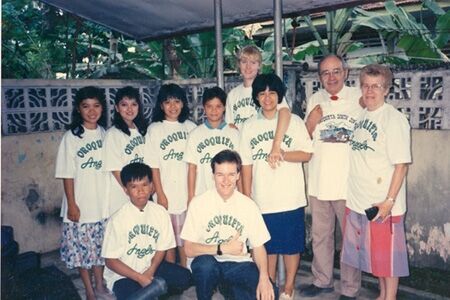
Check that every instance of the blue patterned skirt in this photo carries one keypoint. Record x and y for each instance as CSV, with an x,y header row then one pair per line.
x,y
81,244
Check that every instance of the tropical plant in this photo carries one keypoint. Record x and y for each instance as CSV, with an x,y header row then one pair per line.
x,y
403,38
194,55
26,50
338,39
40,41
399,29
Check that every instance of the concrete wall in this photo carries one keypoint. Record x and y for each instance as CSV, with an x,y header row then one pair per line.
x,y
31,196
428,187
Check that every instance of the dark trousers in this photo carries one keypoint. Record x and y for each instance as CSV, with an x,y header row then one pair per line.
x,y
237,280
168,277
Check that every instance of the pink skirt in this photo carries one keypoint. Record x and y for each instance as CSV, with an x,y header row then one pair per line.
x,y
375,247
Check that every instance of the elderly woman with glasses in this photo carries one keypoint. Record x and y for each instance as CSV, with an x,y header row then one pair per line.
x,y
379,162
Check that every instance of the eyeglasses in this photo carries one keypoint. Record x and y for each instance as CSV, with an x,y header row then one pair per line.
x,y
335,72
374,87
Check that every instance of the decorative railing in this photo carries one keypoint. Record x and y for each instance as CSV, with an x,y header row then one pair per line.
x,y
30,106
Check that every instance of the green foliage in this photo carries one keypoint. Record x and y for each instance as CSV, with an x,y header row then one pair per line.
x,y
338,38
197,52
398,28
38,41
442,30
24,52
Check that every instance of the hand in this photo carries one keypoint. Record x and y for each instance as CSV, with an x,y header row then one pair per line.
x,y
275,156
233,246
361,102
264,290
73,213
384,210
162,200
233,126
145,280
314,118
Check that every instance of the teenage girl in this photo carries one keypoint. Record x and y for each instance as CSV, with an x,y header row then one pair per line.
x,y
124,142
166,142
84,209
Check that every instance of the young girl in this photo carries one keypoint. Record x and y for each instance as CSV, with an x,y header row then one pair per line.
x,y
166,142
84,208
124,142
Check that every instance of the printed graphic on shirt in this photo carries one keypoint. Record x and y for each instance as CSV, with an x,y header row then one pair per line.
x,y
242,106
266,137
204,147
142,240
90,163
336,128
171,139
216,228
174,137
370,130
131,145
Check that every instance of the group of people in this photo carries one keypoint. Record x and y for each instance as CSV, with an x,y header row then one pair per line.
x,y
173,204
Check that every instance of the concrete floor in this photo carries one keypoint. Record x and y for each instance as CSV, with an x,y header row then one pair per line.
x,y
304,278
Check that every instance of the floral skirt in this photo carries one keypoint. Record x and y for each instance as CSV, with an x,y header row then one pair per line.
x,y
81,244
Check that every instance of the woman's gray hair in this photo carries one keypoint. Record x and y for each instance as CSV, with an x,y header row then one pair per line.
x,y
377,70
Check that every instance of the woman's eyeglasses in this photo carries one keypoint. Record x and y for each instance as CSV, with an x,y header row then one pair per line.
x,y
374,87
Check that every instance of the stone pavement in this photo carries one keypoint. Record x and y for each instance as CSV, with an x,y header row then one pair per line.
x,y
303,279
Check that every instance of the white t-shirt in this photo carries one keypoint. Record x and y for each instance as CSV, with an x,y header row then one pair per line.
x,y
283,188
240,105
165,146
120,150
203,143
329,166
134,236
381,139
81,159
210,220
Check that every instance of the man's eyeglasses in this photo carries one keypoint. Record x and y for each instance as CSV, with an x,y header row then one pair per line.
x,y
374,87
334,72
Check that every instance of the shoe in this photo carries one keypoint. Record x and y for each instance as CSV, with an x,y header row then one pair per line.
x,y
312,290
105,295
285,296
343,297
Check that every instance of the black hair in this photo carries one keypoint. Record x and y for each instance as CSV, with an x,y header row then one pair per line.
x,y
88,92
214,92
264,81
135,171
166,92
344,64
228,156
139,121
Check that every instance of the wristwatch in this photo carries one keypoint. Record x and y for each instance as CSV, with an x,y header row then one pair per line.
x,y
219,252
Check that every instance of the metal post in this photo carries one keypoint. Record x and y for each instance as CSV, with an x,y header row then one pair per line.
x,y
277,15
219,46
277,18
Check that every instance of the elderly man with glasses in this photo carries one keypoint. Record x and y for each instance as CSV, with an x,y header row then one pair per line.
x,y
330,117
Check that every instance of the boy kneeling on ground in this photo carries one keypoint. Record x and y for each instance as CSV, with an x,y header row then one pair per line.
x,y
136,239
